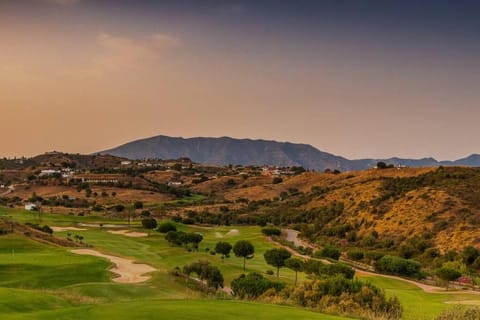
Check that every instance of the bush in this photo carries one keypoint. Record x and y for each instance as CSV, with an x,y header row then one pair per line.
x,y
399,266
188,221
149,223
277,180
205,271
337,269
254,285
460,313
356,255
270,231
330,252
165,227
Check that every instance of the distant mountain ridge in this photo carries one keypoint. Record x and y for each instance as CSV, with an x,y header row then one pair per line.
x,y
226,150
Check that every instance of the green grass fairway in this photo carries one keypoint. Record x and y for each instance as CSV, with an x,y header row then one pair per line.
x,y
418,304
39,281
179,310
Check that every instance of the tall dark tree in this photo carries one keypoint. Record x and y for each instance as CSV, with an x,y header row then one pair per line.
x,y
277,257
223,248
296,265
244,249
149,223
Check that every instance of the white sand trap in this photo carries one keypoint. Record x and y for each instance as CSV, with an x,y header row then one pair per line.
x,y
128,271
233,232
60,229
127,233
97,225
465,302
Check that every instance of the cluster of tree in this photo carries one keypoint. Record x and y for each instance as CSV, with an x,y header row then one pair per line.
x,y
319,269
63,201
205,272
399,266
45,228
344,296
253,285
189,240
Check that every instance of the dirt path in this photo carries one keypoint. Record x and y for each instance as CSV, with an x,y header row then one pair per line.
x,y
128,271
425,287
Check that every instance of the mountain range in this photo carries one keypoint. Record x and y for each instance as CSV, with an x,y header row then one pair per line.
x,y
226,150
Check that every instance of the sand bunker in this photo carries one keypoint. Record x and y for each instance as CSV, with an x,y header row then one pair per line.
x,y
97,225
60,229
127,233
218,235
232,232
128,271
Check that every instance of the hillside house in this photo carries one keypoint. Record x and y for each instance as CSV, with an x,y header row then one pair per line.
x,y
31,207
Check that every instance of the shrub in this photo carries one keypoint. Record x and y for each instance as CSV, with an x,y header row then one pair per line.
x,y
166,227
356,255
271,231
253,285
149,223
330,252
399,266
460,313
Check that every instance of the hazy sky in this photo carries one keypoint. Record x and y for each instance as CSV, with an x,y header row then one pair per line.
x,y
355,78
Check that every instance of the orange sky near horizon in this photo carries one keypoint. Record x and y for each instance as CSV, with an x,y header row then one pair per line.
x,y
79,78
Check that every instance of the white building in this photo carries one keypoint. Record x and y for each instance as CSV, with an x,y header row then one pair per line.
x,y
31,207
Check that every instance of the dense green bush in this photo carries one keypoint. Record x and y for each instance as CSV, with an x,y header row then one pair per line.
x,y
271,231
253,285
329,252
206,272
399,266
356,255
345,296
165,227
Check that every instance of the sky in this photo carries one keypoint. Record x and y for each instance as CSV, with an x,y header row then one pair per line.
x,y
360,79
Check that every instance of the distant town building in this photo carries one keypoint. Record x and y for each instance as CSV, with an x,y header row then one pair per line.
x,y
31,207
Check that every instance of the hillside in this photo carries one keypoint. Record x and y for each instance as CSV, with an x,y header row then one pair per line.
x,y
440,204
225,151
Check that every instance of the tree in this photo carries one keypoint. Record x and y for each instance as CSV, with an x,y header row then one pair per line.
x,y
330,252
448,274
166,227
149,223
205,272
223,248
469,254
294,264
277,257
381,165
245,249
138,205
271,231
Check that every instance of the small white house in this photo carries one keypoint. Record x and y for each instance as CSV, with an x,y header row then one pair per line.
x,y
31,207
48,173
126,163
